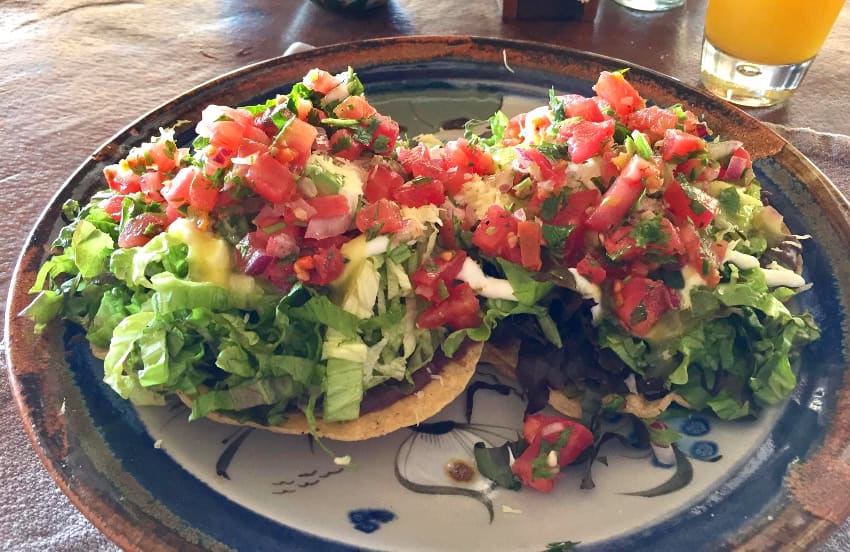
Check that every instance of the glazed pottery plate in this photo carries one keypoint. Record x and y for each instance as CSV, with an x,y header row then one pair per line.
x,y
151,480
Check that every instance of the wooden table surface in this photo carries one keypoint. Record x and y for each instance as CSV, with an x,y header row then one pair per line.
x,y
74,72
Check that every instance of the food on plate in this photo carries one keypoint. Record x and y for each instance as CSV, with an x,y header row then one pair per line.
x,y
679,271
304,268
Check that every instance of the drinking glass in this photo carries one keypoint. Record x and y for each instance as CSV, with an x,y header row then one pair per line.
x,y
651,5
756,52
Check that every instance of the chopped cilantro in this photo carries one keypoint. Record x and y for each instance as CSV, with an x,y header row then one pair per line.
x,y
550,207
621,132
364,134
557,106
442,290
649,231
381,144
555,237
341,144
554,151
421,180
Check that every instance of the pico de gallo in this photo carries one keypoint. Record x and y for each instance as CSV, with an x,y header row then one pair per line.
x,y
301,252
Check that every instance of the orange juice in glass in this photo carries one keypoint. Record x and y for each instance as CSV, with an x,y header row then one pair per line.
x,y
756,52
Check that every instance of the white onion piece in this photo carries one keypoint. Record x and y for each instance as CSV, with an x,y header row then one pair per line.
x,y
320,228
720,150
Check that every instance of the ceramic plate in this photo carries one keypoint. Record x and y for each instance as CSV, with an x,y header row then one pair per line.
x,y
150,480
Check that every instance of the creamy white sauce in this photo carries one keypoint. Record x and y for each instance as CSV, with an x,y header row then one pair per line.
x,y
776,276
487,286
692,280
585,287
741,260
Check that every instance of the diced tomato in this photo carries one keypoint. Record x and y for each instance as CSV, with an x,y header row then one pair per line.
x,y
455,220
704,258
328,264
678,145
303,108
122,180
576,105
585,138
177,192
257,135
342,144
381,183
640,302
329,205
418,162
203,194
620,245
592,269
491,235
620,197
172,213
270,179
442,269
458,311
150,184
281,275
512,131
217,158
226,134
532,161
574,212
250,147
112,206
620,95
354,107
530,238
385,136
381,217
140,229
654,121
300,137
539,428
687,201
738,163
164,155
468,159
320,81
417,193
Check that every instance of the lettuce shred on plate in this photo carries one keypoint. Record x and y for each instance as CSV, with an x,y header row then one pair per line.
x,y
301,252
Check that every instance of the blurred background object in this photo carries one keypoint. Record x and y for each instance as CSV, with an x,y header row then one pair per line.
x,y
756,53
651,5
351,6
